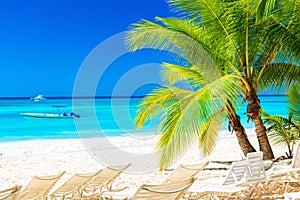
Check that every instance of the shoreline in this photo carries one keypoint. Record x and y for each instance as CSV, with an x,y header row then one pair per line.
x,y
20,161
223,133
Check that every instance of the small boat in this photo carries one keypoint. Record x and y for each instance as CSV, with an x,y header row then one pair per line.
x,y
52,115
38,98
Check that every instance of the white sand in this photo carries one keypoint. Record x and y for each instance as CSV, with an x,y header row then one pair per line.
x,y
20,161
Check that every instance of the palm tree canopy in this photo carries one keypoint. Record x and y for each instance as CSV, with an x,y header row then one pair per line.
x,y
226,45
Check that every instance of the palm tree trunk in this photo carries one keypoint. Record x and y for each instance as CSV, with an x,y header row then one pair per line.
x,y
239,130
253,112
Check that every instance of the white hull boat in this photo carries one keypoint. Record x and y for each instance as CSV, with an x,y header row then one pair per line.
x,y
58,114
50,115
37,98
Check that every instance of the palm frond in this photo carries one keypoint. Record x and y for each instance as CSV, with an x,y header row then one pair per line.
x,y
210,132
283,28
229,86
178,130
155,103
170,35
183,125
195,116
294,102
264,8
181,37
174,73
214,17
278,76
281,130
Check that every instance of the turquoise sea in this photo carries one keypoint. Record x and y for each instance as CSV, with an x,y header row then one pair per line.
x,y
104,117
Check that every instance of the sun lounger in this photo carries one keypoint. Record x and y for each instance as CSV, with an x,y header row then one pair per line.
x,y
181,176
39,187
10,193
103,181
185,172
243,190
241,180
273,187
171,191
236,173
276,185
256,166
73,187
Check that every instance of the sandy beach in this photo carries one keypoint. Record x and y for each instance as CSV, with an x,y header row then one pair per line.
x,y
20,161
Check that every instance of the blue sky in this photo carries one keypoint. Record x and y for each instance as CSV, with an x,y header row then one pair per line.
x,y
43,43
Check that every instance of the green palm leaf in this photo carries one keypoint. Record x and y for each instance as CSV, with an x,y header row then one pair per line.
x,y
294,102
185,122
278,76
183,38
173,73
264,8
210,131
282,131
188,116
283,28
156,102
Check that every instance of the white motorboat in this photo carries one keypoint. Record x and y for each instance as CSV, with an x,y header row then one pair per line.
x,y
49,115
38,98
52,115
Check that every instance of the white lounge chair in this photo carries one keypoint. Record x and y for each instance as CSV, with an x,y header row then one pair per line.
x,y
256,166
236,174
237,171
241,180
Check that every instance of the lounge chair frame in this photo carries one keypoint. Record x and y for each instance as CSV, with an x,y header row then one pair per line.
x,y
40,186
73,187
185,172
103,182
163,191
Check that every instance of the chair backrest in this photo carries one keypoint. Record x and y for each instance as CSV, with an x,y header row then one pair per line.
x,y
10,193
74,184
163,191
237,172
39,186
106,177
296,156
256,165
185,172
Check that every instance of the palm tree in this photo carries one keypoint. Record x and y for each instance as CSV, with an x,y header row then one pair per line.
x,y
276,59
238,42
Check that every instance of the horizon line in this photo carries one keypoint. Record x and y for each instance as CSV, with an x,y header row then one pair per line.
x,y
103,97
71,97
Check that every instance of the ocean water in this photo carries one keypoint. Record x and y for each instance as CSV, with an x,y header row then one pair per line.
x,y
99,117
